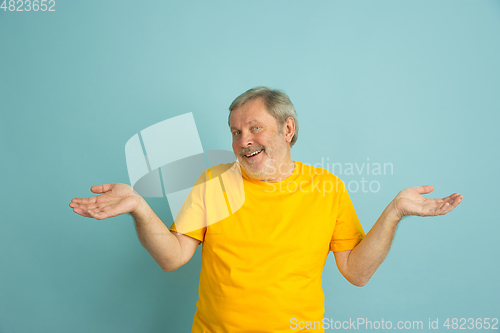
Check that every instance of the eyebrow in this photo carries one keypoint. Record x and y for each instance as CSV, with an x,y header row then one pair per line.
x,y
248,122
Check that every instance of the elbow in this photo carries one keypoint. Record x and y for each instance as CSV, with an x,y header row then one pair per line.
x,y
170,268
359,282
355,279
167,266
359,278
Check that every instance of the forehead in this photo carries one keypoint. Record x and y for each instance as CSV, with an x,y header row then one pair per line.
x,y
251,112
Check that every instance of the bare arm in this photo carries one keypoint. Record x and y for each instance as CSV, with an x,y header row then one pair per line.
x,y
359,264
169,250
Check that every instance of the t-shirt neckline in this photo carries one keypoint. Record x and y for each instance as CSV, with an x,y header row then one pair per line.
x,y
295,173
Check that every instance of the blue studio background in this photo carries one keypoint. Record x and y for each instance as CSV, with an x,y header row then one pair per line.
x,y
410,83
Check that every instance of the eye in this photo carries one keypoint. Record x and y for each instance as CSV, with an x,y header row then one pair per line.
x,y
256,127
236,133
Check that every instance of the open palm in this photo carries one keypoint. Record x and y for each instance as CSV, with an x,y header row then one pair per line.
x,y
411,202
116,199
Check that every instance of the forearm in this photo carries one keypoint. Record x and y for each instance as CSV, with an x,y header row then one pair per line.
x,y
367,256
163,245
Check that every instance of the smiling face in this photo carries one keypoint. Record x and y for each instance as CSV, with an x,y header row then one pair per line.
x,y
261,149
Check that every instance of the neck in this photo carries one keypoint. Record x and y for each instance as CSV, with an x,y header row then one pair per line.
x,y
284,170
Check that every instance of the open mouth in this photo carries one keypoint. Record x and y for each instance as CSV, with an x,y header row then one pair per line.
x,y
255,153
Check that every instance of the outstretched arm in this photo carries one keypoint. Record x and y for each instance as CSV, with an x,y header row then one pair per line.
x,y
169,249
359,264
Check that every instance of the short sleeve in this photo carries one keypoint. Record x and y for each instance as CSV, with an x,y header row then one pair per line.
x,y
216,194
348,231
191,219
198,234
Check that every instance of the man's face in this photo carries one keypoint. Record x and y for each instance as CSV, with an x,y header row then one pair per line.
x,y
260,148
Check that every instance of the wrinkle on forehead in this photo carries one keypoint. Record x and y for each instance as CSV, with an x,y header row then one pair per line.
x,y
248,123
250,110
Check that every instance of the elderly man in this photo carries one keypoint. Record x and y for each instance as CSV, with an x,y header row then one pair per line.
x,y
262,265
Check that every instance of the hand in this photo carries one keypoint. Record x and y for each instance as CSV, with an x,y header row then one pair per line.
x,y
411,202
116,199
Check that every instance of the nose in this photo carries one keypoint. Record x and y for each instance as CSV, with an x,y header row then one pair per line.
x,y
246,140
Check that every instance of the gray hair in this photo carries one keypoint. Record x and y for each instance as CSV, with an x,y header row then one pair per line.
x,y
277,103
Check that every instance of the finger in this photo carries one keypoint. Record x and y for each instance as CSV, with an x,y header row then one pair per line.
x,y
448,199
444,206
94,207
453,200
448,209
81,212
424,189
74,205
452,196
83,206
98,214
102,188
449,206
441,209
94,214
85,200
456,201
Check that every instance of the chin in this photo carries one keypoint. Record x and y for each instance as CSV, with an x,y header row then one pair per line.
x,y
253,172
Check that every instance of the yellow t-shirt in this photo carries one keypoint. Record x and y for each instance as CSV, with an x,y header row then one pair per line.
x,y
262,264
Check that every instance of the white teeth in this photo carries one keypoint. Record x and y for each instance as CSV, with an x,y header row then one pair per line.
x,y
254,153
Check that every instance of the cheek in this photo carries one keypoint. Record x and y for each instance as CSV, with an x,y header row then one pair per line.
x,y
268,141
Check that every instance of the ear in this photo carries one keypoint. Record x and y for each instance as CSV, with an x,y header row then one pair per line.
x,y
289,129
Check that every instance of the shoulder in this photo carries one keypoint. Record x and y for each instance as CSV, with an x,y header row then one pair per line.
x,y
215,171
219,169
330,183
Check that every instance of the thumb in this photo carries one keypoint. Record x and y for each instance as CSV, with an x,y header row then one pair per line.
x,y
101,188
425,189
